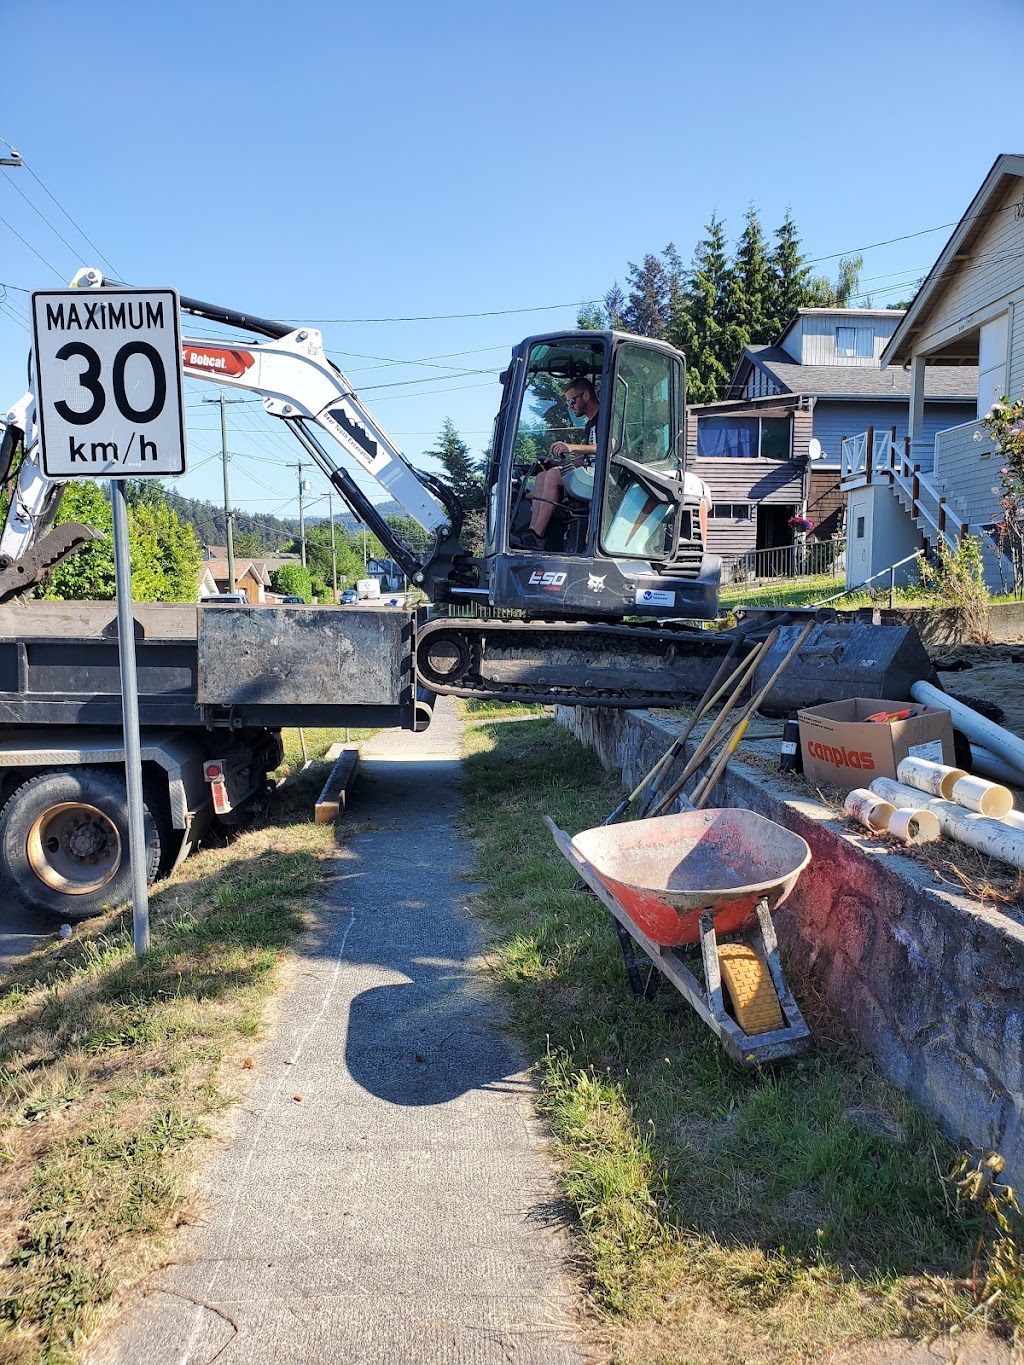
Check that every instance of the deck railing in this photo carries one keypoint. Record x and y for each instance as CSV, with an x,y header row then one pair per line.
x,y
880,457
811,558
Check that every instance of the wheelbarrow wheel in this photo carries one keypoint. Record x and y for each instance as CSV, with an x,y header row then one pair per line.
x,y
746,978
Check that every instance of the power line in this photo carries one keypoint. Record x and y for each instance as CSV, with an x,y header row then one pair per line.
x,y
17,188
32,249
447,317
63,210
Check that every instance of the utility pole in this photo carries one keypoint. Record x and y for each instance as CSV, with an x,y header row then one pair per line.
x,y
304,487
228,514
334,547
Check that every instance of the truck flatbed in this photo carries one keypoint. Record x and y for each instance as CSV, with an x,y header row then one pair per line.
x,y
209,667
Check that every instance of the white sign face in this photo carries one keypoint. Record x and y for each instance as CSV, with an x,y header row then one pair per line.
x,y
108,382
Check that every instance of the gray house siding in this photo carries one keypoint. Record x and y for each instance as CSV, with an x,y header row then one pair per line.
x,y
746,483
818,343
833,421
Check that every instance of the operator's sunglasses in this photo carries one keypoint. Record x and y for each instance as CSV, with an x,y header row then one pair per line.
x,y
574,399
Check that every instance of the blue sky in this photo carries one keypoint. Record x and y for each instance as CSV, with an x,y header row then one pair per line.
x,y
321,162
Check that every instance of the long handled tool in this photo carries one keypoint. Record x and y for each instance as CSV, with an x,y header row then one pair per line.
x,y
704,788
707,742
724,676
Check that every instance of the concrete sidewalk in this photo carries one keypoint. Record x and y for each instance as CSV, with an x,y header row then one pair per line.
x,y
403,1209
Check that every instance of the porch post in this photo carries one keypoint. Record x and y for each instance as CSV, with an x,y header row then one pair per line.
x,y
917,373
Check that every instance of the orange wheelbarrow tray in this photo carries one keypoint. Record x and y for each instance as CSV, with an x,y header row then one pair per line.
x,y
682,880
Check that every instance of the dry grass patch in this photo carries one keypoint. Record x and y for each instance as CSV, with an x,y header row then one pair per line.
x,y
112,1072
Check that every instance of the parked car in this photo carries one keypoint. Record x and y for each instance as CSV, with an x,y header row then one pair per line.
x,y
349,597
224,599
293,601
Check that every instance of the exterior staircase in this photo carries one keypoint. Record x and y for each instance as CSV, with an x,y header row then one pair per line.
x,y
878,457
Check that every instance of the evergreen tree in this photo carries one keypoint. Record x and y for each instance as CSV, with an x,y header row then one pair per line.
x,y
647,307
615,308
789,287
747,293
589,317
697,329
465,477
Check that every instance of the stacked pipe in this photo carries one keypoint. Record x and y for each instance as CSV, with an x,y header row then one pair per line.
x,y
929,798
907,821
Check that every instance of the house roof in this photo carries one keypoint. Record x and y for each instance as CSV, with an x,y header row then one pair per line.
x,y
965,234
952,383
256,569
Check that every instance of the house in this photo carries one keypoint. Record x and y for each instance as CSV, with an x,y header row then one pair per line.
x,y
392,579
251,577
969,312
773,447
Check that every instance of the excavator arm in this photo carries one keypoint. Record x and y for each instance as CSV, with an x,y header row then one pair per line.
x,y
297,384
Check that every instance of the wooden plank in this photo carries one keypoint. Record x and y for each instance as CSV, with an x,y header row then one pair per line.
x,y
333,800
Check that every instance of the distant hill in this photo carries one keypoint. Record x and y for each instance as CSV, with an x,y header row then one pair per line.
x,y
211,527
272,532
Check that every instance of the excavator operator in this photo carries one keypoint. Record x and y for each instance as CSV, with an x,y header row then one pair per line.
x,y
582,401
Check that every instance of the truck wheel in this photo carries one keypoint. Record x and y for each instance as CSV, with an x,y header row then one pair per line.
x,y
64,843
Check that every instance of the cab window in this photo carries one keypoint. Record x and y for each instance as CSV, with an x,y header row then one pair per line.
x,y
545,417
638,516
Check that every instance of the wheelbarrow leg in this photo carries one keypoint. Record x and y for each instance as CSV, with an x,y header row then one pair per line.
x,y
643,988
769,946
712,971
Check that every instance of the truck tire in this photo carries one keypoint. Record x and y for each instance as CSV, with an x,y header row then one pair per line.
x,y
64,843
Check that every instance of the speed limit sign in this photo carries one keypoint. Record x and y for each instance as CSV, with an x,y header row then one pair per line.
x,y
108,382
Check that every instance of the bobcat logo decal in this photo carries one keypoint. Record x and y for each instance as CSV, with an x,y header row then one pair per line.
x,y
596,584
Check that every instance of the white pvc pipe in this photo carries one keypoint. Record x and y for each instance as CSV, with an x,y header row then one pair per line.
x,y
1014,819
914,826
989,836
987,798
936,779
987,764
1002,743
870,810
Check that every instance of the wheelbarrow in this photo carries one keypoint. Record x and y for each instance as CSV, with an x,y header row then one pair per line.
x,y
678,882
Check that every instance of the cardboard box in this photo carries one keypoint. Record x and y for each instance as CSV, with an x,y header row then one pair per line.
x,y
842,748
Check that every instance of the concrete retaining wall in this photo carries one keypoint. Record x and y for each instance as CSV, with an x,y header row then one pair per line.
x,y
929,982
938,625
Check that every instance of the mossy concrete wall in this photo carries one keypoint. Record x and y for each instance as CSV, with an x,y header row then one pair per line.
x,y
929,982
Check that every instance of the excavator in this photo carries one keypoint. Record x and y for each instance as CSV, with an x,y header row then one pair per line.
x,y
624,547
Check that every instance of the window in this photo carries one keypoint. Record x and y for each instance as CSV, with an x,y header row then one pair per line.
x,y
641,505
860,529
992,342
732,511
855,343
743,438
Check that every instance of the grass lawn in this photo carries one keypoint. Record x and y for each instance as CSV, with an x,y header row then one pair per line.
x,y
111,1074
722,1215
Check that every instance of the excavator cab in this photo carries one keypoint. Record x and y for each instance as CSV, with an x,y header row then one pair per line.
x,y
590,510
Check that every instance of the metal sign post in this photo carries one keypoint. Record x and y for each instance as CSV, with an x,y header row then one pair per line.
x,y
109,405
130,720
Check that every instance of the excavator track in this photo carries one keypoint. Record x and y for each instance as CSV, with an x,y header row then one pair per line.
x,y
575,663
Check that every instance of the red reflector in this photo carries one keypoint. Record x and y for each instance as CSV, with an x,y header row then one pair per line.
x,y
213,771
